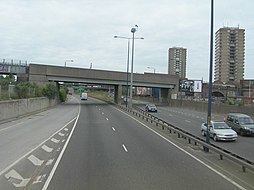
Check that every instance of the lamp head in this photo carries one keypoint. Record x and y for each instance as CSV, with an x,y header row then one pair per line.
x,y
133,30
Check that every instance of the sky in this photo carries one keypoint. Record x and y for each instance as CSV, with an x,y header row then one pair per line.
x,y
53,32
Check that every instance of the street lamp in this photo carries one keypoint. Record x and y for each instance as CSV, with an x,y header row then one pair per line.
x,y
127,72
210,81
133,30
68,61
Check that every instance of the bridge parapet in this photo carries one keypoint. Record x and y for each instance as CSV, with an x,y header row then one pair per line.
x,y
13,67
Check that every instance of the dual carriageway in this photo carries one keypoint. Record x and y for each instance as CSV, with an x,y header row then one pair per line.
x,y
94,145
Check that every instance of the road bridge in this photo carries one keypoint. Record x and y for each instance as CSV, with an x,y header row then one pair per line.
x,y
45,73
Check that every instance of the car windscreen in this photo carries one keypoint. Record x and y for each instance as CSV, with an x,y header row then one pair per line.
x,y
221,125
245,120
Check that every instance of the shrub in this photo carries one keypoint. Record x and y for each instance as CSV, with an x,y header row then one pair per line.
x,y
49,91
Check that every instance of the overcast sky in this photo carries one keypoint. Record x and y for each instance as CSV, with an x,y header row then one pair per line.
x,y
53,31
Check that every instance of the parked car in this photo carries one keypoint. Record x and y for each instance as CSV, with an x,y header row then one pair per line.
x,y
151,108
219,130
241,123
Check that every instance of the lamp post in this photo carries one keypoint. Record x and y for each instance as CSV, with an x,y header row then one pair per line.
x,y
133,30
210,81
65,63
127,70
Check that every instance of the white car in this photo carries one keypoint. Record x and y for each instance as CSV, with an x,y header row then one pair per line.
x,y
219,130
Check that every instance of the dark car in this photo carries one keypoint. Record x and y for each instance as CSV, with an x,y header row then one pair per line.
x,y
241,123
151,108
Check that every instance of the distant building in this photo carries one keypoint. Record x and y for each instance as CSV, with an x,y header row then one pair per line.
x,y
229,54
247,88
177,61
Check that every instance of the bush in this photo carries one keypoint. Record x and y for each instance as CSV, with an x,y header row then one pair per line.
x,y
49,91
62,94
27,90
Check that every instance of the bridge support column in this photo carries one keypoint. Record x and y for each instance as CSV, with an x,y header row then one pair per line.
x,y
117,93
163,95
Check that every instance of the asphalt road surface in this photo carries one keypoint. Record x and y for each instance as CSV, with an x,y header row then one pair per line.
x,y
92,145
110,150
191,121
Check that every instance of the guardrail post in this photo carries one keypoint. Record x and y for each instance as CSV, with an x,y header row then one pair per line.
x,y
206,149
221,157
244,168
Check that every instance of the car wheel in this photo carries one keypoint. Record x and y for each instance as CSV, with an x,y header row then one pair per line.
x,y
215,137
241,132
203,133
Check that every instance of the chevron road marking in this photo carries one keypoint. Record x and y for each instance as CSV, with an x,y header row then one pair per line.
x,y
55,140
15,177
36,161
39,179
46,148
60,134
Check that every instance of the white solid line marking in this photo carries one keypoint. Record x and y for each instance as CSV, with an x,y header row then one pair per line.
x,y
11,165
11,126
46,184
124,148
36,161
113,129
195,158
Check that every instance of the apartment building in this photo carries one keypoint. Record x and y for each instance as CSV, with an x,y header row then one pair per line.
x,y
229,54
177,61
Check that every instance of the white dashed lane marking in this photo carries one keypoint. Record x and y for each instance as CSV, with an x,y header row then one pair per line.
x,y
125,149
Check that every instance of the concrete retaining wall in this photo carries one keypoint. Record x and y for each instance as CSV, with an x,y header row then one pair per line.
x,y
17,108
216,108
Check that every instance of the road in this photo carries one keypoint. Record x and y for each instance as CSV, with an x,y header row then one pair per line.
x,y
23,135
93,145
110,150
191,121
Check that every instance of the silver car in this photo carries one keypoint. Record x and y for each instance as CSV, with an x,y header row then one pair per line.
x,y
219,130
151,108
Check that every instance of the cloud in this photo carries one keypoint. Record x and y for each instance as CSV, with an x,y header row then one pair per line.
x,y
52,31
